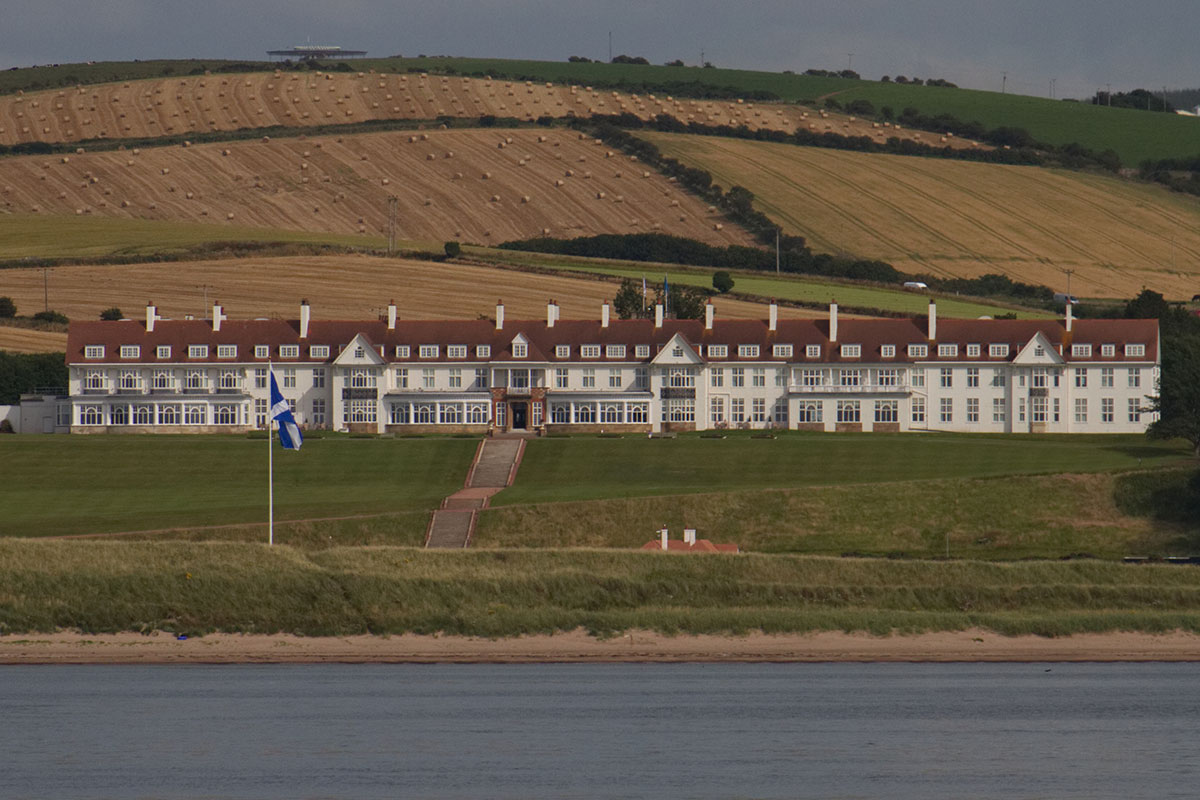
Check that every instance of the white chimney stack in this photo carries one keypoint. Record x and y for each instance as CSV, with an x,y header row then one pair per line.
x,y
499,315
664,534
392,315
1070,317
217,316
658,315
833,321
709,313
551,315
305,318
151,316
604,315
773,316
932,319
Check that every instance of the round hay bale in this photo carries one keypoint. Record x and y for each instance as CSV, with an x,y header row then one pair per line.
x,y
495,198
486,176
559,182
166,171
717,226
385,181
599,195
525,198
229,215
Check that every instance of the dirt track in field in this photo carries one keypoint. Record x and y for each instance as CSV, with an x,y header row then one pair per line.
x,y
957,218
342,287
207,103
480,186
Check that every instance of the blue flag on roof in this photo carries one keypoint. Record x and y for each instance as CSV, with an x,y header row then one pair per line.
x,y
281,412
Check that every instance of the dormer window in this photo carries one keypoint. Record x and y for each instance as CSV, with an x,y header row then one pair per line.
x,y
747,351
289,351
812,351
718,351
614,351
483,351
262,351
998,350
643,351
163,351
918,351
402,351
227,351
1081,351
131,351
318,351
1135,350
428,351
590,351
852,351
456,351
782,351
197,351
520,350
93,351
562,351
972,351
887,351
947,350
1108,350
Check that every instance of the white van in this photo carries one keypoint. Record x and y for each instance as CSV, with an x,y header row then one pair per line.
x,y
915,285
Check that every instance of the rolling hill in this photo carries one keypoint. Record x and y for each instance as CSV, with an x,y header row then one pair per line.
x,y
483,186
956,218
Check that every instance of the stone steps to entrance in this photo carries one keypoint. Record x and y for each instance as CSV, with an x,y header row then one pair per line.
x,y
494,468
450,529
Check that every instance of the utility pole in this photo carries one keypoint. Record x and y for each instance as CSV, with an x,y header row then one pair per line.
x,y
1003,83
610,47
701,57
849,60
393,205
1069,273
777,251
1109,85
45,289
1164,98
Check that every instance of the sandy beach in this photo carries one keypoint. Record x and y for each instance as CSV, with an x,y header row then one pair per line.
x,y
639,646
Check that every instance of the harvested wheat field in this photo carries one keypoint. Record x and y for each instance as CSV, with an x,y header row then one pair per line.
x,y
480,186
927,215
27,340
338,287
206,103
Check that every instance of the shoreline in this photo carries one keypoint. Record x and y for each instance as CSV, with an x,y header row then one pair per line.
x,y
579,647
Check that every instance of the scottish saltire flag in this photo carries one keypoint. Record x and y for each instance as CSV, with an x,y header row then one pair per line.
x,y
666,295
281,412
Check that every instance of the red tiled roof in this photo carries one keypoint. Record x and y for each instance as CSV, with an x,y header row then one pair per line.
x,y
871,334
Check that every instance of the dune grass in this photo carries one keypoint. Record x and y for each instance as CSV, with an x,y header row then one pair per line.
x,y
198,588
61,485
587,468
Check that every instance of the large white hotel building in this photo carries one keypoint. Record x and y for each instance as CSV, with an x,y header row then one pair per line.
x,y
645,375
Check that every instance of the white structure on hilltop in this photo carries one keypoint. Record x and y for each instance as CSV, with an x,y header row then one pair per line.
x,y
647,375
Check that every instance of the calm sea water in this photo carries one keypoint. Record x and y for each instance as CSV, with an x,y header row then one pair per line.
x,y
602,731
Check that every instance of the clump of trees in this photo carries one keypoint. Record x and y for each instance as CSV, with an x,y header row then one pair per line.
x,y
722,281
636,300
624,59
1138,100
111,314
24,372
8,309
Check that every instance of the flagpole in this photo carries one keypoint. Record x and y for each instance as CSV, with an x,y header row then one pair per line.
x,y
270,476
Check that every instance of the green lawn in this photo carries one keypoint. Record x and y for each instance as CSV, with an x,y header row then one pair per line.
x,y
92,484
589,468
38,236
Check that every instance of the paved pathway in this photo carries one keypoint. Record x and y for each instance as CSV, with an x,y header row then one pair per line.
x,y
493,469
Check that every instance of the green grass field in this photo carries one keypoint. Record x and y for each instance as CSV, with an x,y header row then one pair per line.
x,y
35,236
192,588
55,485
808,291
1134,135
555,470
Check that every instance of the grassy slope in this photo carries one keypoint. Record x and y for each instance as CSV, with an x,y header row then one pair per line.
x,y
196,588
1134,135
91,484
959,218
556,470
37,236
766,285
1041,516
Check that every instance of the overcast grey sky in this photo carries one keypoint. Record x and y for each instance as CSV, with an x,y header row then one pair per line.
x,y
1084,44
